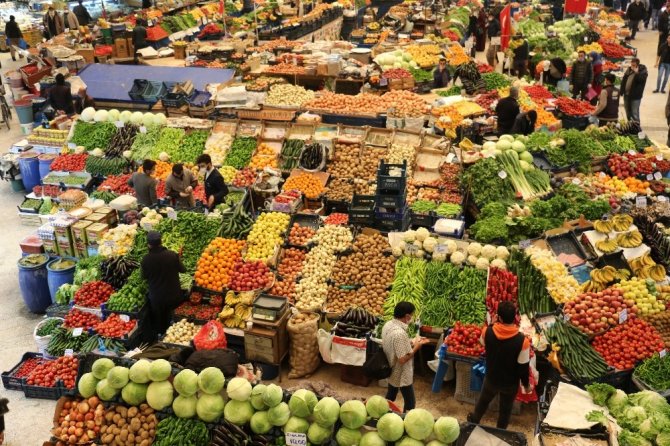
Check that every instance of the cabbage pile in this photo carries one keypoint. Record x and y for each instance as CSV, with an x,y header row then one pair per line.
x,y
643,416
138,118
395,59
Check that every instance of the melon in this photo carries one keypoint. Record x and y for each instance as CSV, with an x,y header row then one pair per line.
x,y
125,116
526,156
509,138
113,115
88,114
503,145
489,145
100,116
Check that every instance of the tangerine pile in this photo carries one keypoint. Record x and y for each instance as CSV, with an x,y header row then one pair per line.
x,y
217,262
306,183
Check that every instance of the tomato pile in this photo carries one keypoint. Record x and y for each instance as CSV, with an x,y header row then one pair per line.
x,y
538,92
80,319
117,184
502,286
114,327
244,177
48,190
574,107
613,50
215,300
79,422
201,312
484,68
249,276
337,218
464,340
595,312
93,294
27,367
629,343
397,73
485,100
300,235
631,165
47,374
71,162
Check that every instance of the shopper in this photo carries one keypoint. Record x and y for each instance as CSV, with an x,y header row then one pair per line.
x,y
507,357
70,20
632,86
493,30
441,76
215,187
607,109
667,118
581,76
83,101
663,65
139,37
597,68
556,71
161,268
3,410
144,184
635,13
60,96
524,124
53,23
179,186
14,35
663,24
82,14
507,111
656,6
480,34
400,351
521,55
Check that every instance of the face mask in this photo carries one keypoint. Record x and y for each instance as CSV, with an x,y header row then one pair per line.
x,y
203,171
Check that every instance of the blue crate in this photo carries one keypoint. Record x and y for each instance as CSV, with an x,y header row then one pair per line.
x,y
391,185
199,98
390,201
395,222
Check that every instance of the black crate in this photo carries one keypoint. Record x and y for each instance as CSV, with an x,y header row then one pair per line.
x,y
44,393
174,100
354,120
390,201
511,438
393,223
566,243
362,209
56,310
10,382
308,220
336,206
391,185
425,220
139,314
139,85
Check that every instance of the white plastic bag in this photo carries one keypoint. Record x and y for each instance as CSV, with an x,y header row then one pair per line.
x,y
325,342
348,351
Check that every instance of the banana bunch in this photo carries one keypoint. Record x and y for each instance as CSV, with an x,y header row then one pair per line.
x,y
231,298
645,268
603,277
243,297
226,312
236,315
591,286
631,239
603,226
243,312
621,222
608,245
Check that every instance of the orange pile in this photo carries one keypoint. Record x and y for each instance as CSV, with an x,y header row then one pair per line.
x,y
216,263
306,183
163,170
265,157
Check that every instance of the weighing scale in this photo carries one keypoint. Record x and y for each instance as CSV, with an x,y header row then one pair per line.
x,y
268,309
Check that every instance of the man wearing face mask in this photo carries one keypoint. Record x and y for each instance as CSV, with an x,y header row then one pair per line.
x,y
53,23
581,76
179,186
215,187
400,351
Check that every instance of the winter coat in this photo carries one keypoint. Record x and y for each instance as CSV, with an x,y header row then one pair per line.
x,y
637,88
636,11
582,73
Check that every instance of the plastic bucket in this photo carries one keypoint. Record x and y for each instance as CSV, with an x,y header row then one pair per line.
x,y
34,285
43,341
24,110
30,170
38,104
17,185
58,277
44,164
26,129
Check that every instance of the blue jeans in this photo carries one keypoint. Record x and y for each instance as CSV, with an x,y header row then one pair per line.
x,y
663,71
407,396
632,107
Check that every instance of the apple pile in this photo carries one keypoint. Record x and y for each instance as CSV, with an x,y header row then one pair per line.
x,y
594,313
632,165
249,276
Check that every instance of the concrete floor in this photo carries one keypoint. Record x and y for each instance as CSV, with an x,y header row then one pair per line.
x,y
29,420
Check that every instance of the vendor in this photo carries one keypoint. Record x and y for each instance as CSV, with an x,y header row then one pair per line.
x,y
60,96
70,20
441,76
83,101
53,23
520,56
82,14
608,103
555,72
179,186
524,124
160,268
581,76
144,184
139,36
507,111
215,187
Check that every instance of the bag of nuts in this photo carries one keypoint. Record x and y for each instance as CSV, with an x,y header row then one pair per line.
x,y
304,346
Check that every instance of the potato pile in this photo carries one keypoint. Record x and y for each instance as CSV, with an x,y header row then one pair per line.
x,y
181,332
369,164
346,159
304,357
368,268
288,95
340,189
289,267
125,426
300,235
405,104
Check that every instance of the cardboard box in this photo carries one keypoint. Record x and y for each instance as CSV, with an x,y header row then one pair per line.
x,y
111,217
129,45
88,54
97,218
95,232
50,246
65,247
121,47
79,231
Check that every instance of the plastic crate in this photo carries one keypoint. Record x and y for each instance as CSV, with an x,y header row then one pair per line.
x,y
336,206
140,314
10,382
153,91
509,437
393,223
354,120
199,98
425,220
390,201
464,394
173,100
44,393
56,310
641,385
387,184
362,209
138,87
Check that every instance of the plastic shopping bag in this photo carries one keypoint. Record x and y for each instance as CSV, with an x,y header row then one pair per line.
x,y
210,337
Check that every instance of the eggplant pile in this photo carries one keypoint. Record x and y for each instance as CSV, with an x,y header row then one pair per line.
x,y
115,271
312,156
355,323
121,141
228,434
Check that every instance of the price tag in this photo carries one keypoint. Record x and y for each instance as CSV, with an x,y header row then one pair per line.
x,y
295,439
641,202
632,152
576,181
502,174
124,318
143,129
658,176
110,244
68,352
662,199
650,177
524,244
148,226
662,353
172,214
586,39
383,82
411,249
77,332
623,316
602,174
566,316
441,249
641,135
659,157
450,157
71,146
119,124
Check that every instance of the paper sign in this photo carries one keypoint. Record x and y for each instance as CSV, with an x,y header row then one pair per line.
x,y
71,145
602,174
383,82
566,316
523,244
69,352
450,157
659,157
411,249
295,439
641,202
658,176
641,135
143,129
77,332
172,215
662,353
576,181
110,243
623,316
119,124
124,318
650,177
148,226
632,152
502,174
662,199
441,249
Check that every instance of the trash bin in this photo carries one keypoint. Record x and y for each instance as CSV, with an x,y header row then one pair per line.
x,y
59,272
30,170
33,282
24,110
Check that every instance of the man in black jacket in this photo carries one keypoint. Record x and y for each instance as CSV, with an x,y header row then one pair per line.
x,y
83,17
215,187
632,88
493,31
521,56
161,268
635,13
581,76
60,96
507,111
507,358
14,35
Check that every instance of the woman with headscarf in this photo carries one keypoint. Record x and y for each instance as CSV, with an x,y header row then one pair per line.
x,y
554,71
481,31
596,84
